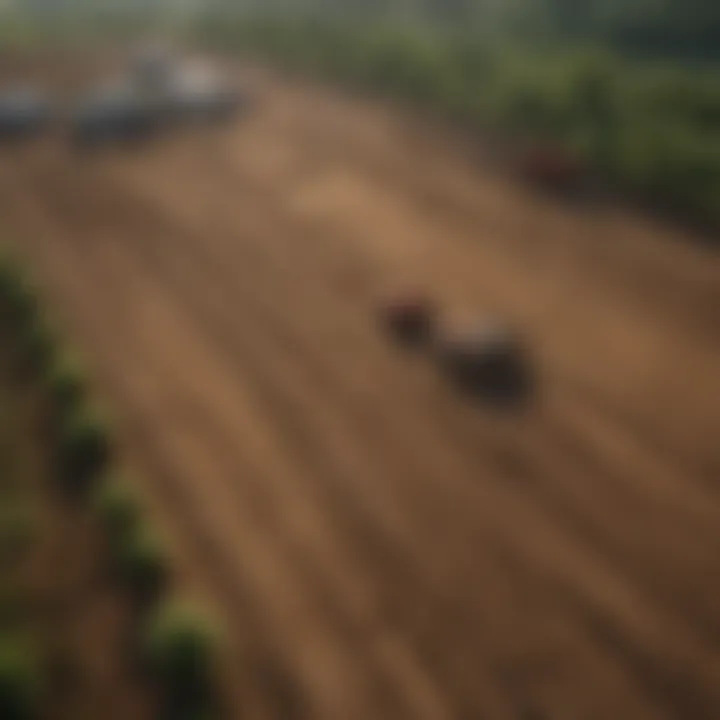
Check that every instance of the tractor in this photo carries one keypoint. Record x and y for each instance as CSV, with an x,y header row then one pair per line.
x,y
486,359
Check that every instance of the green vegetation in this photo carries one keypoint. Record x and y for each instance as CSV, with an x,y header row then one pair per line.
x,y
40,347
651,28
651,129
135,548
18,297
21,673
118,510
142,564
180,646
66,386
17,532
632,88
83,451
20,681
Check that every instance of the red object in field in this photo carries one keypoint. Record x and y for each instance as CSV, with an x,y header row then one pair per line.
x,y
551,167
409,315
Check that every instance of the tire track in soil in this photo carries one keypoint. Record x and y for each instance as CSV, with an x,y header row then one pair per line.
x,y
456,239
443,180
416,715
56,256
655,466
569,487
269,309
365,523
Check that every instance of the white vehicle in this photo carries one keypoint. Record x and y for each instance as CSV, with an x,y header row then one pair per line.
x,y
153,69
198,93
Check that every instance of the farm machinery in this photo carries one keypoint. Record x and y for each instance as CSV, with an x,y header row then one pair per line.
x,y
158,93
113,114
484,358
24,112
551,167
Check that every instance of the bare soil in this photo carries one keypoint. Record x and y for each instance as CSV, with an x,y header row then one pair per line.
x,y
376,545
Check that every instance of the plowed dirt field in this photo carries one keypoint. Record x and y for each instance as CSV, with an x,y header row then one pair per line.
x,y
378,546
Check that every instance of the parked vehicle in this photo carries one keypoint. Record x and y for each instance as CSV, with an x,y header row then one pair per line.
x,y
114,114
24,112
198,94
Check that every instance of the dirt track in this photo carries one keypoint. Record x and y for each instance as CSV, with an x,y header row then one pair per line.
x,y
380,548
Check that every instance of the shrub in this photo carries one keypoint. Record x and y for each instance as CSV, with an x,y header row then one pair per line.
x,y
138,554
9,276
17,532
15,599
83,451
20,685
180,648
142,564
20,300
66,387
117,509
39,347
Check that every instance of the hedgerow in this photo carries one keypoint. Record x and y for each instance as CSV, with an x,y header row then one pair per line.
x,y
176,644
20,680
180,648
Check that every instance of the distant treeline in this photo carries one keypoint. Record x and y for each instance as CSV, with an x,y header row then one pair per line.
x,y
651,28
650,128
632,86
657,28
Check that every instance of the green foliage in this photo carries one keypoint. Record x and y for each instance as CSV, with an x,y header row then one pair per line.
x,y
26,328
83,451
20,686
117,509
142,564
66,386
19,299
181,648
40,347
15,602
651,128
136,551
17,531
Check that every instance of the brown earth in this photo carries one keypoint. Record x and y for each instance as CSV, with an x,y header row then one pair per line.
x,y
377,546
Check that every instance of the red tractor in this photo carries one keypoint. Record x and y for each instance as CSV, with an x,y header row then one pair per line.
x,y
409,315
551,167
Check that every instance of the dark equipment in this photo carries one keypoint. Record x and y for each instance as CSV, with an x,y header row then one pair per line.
x,y
409,316
24,112
199,99
117,117
487,360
